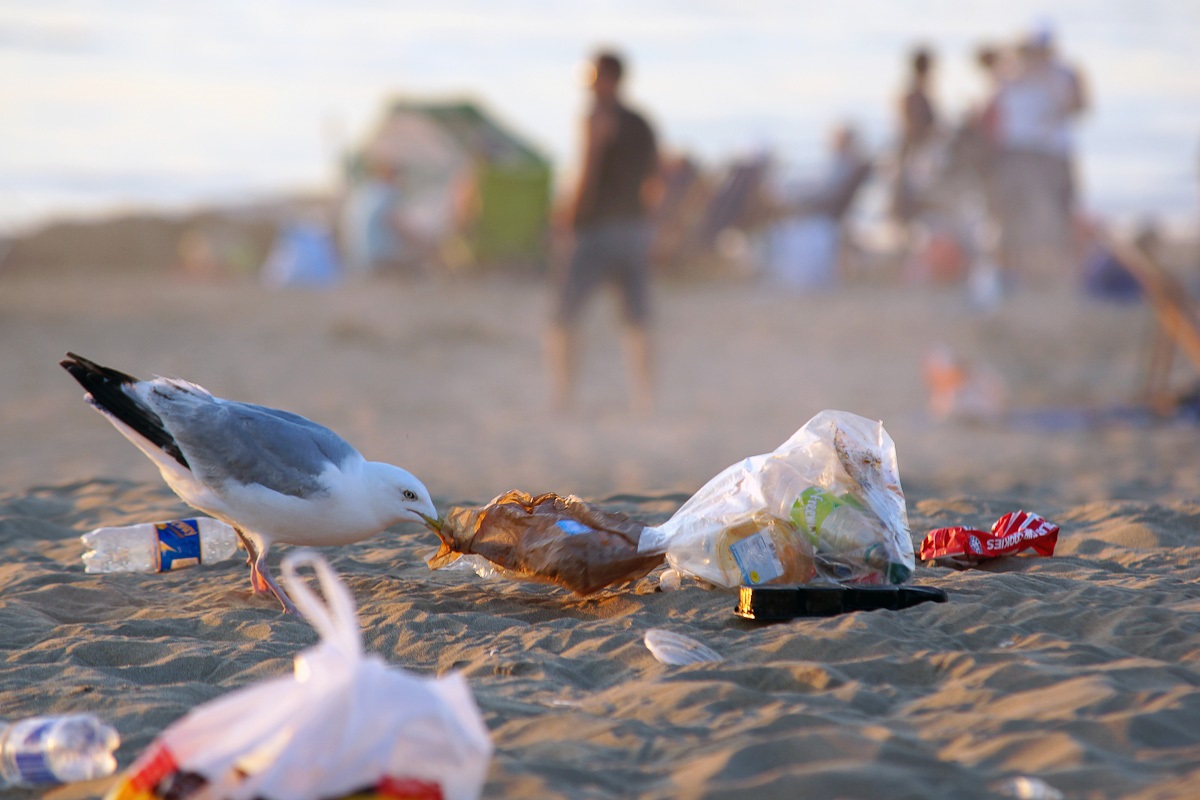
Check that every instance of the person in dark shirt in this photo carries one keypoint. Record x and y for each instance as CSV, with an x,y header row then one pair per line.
x,y
610,221
918,126
918,120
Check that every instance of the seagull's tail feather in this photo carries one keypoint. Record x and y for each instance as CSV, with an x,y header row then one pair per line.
x,y
106,391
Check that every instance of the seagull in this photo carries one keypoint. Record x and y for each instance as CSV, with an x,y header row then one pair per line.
x,y
272,475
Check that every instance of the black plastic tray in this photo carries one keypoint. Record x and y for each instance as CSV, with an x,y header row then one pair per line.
x,y
774,603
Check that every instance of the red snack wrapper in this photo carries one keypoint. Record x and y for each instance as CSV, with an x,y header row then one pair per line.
x,y
1012,533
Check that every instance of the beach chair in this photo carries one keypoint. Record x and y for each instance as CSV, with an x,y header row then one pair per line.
x,y
1177,328
734,200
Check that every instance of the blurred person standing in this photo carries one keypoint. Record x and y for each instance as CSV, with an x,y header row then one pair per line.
x,y
1036,112
984,122
805,248
848,168
918,128
376,236
610,220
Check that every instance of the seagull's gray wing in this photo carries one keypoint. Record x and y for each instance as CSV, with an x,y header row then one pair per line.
x,y
227,441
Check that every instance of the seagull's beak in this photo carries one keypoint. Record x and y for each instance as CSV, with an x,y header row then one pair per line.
x,y
423,512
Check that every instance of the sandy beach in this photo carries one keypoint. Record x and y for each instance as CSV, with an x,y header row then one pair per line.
x,y
1082,670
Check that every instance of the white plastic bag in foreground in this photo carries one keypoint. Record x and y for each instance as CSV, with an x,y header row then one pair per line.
x,y
344,723
825,505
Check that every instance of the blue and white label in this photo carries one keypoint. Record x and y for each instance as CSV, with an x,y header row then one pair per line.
x,y
573,528
756,559
178,544
31,755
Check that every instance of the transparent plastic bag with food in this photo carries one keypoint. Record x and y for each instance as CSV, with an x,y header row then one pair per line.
x,y
826,505
547,538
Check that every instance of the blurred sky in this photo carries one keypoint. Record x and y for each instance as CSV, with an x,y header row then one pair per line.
x,y
119,103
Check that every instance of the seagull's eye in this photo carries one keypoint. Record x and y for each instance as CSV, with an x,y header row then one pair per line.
x,y
409,494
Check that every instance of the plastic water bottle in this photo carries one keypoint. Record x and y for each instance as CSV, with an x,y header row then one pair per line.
x,y
846,534
158,546
42,750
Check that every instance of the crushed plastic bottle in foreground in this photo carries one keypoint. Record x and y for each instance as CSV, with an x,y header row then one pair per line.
x,y
56,749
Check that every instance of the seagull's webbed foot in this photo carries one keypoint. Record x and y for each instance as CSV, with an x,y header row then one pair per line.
x,y
260,575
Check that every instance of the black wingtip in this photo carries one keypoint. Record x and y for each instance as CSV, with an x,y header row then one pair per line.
x,y
81,367
105,387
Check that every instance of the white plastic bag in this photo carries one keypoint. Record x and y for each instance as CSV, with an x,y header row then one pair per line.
x,y
825,505
345,723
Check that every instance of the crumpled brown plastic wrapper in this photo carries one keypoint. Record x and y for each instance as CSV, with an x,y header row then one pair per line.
x,y
548,538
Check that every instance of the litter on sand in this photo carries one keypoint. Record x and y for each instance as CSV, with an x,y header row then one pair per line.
x,y
548,538
1014,532
824,506
346,724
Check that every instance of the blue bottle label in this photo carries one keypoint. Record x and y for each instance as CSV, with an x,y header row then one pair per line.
x,y
31,758
178,544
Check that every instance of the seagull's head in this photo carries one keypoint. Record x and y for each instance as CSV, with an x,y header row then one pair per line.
x,y
400,496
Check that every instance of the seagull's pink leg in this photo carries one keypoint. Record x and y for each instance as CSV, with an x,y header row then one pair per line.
x,y
252,556
256,580
260,574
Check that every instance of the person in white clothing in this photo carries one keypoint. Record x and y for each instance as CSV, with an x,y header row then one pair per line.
x,y
1036,112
